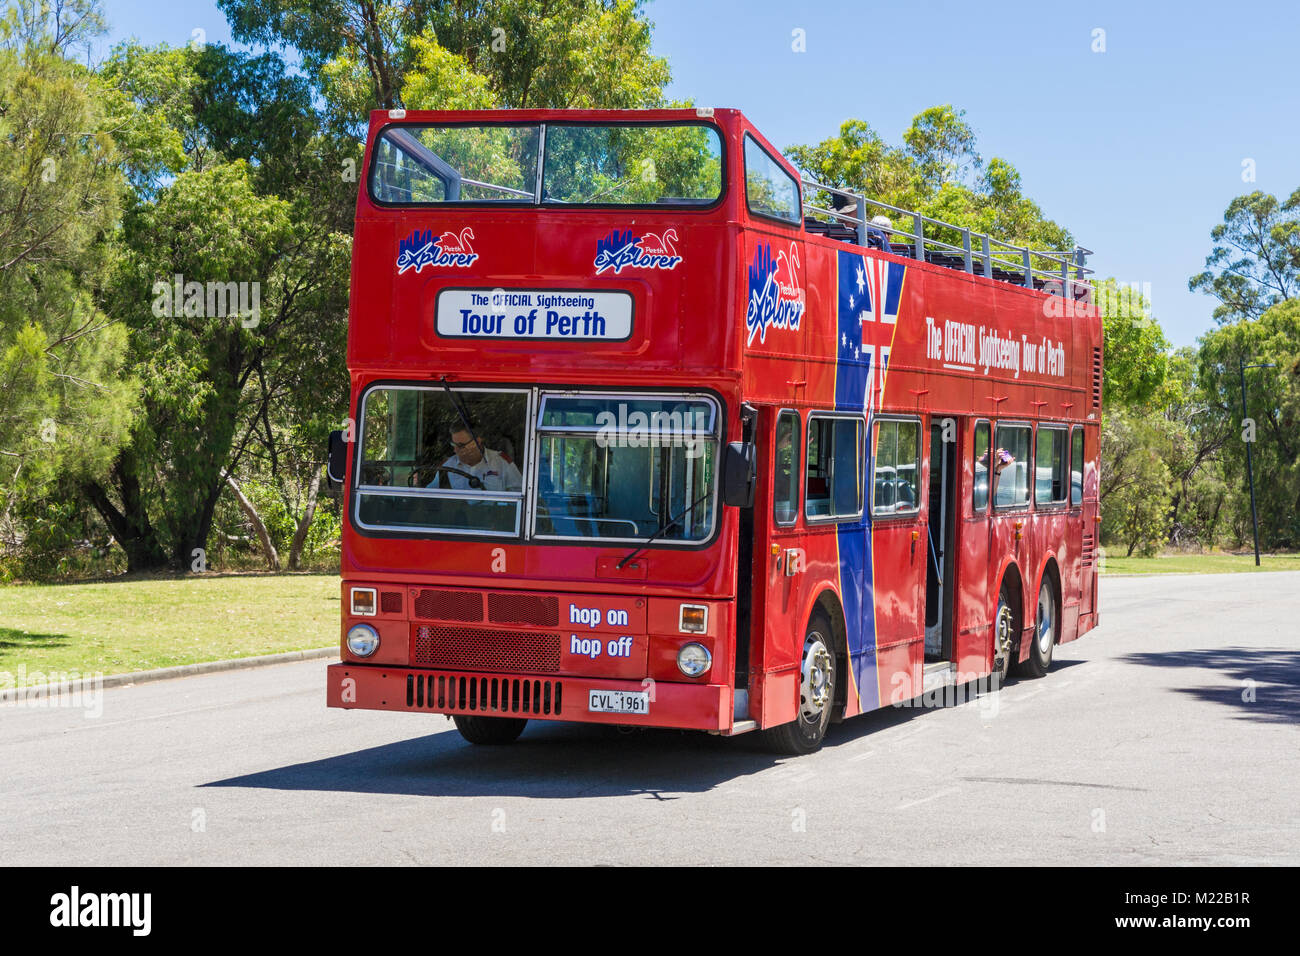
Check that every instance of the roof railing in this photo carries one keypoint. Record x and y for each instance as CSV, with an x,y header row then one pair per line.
x,y
978,253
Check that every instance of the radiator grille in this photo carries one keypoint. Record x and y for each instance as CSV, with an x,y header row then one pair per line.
x,y
449,605
390,602
482,649
539,610
451,693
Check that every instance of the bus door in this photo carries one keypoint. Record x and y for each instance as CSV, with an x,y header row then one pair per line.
x,y
973,637
942,499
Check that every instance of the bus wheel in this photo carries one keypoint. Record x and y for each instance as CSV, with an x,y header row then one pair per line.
x,y
1004,637
489,730
818,678
1040,654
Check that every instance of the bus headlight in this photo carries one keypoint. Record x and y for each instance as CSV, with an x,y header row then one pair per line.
x,y
363,640
694,659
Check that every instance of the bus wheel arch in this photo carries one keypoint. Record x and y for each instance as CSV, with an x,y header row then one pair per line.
x,y
1009,598
819,665
829,607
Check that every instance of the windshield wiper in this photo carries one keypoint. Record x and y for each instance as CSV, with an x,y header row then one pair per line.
x,y
464,419
664,527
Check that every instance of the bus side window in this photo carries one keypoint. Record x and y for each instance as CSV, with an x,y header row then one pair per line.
x,y
1011,466
1076,466
897,468
817,499
785,471
981,487
1050,466
834,467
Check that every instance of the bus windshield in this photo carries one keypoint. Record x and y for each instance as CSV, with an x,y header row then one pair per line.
x,y
436,460
582,165
623,467
612,467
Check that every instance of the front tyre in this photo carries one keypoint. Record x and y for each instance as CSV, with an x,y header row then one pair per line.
x,y
489,730
1045,634
818,679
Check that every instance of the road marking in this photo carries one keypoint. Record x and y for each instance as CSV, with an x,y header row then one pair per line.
x,y
933,796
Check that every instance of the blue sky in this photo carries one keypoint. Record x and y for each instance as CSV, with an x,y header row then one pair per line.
x,y
1137,149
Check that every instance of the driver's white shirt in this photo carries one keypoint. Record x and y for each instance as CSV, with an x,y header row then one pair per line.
x,y
494,471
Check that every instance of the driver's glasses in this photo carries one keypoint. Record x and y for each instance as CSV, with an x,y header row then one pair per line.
x,y
460,445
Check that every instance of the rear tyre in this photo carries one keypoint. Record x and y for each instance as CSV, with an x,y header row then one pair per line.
x,y
1045,633
818,679
489,730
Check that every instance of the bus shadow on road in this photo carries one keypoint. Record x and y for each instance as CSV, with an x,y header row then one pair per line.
x,y
559,760
552,760
1265,681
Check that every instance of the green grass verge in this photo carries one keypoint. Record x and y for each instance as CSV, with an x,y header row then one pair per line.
x,y
132,625
1200,563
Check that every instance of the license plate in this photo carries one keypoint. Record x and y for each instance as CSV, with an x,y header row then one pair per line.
x,y
619,702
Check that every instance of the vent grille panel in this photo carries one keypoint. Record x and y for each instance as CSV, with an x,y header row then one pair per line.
x,y
495,695
449,605
1096,378
1089,550
479,648
535,609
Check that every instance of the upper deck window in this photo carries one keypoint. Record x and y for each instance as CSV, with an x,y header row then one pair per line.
x,y
445,164
632,165
769,190
583,165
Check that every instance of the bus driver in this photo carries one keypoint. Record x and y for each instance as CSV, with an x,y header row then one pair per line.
x,y
490,467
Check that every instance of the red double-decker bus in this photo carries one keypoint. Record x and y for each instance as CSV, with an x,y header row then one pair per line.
x,y
646,430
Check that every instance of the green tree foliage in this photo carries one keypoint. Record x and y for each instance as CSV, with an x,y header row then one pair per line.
x,y
423,54
1195,437
232,184
63,406
1136,492
1272,404
938,173
1135,347
1255,261
211,382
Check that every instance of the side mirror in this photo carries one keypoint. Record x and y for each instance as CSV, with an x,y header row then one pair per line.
x,y
739,474
338,460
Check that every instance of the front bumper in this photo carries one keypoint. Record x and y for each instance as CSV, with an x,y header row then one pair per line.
x,y
374,687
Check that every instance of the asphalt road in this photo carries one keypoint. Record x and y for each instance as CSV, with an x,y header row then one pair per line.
x,y
1170,735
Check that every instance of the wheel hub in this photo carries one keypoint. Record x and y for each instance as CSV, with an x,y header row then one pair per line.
x,y
816,680
1003,649
1046,623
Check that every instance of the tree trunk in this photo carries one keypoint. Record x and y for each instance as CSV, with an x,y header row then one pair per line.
x,y
304,523
272,559
131,526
